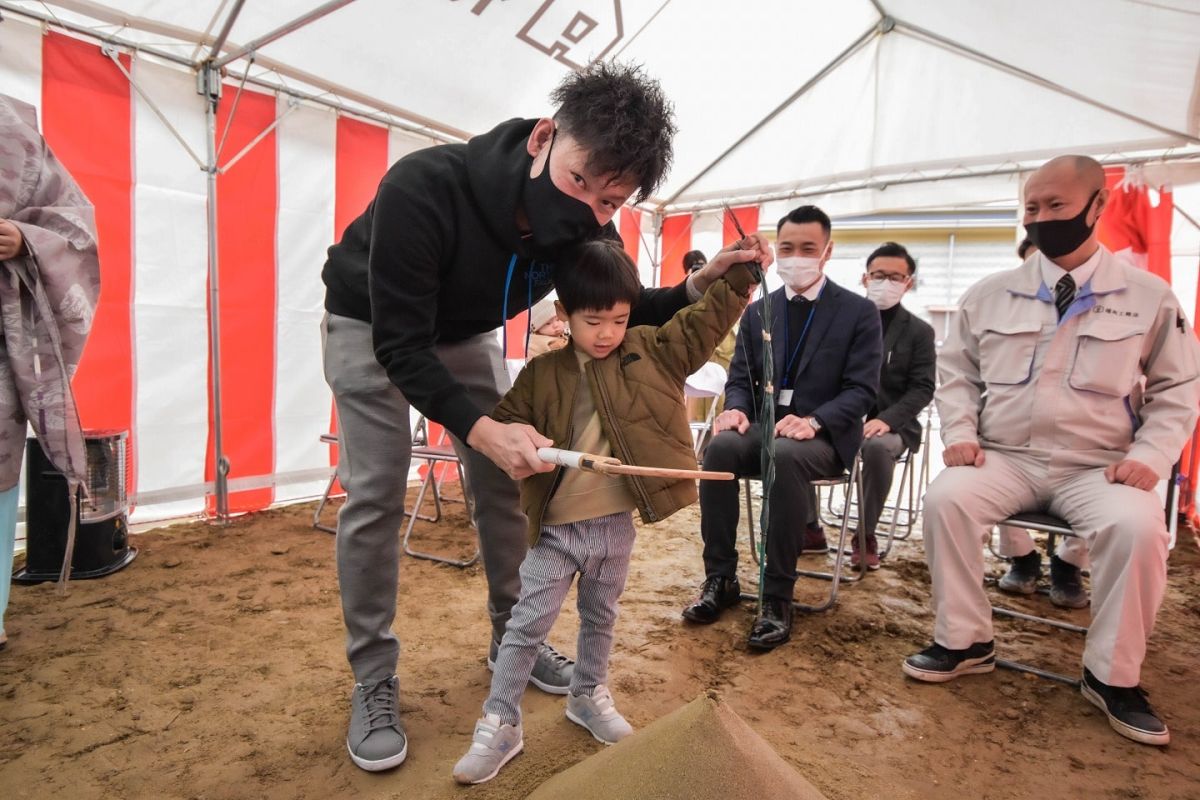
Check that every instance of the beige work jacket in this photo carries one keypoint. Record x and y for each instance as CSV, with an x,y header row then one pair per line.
x,y
1117,378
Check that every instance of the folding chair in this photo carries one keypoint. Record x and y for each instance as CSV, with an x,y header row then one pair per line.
x,y
326,438
440,452
420,435
900,516
836,578
702,431
914,477
707,383
1055,526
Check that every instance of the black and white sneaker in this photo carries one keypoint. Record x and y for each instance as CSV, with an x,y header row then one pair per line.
x,y
1127,710
1022,576
937,664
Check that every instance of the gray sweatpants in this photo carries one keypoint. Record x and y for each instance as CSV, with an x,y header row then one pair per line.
x,y
598,550
375,444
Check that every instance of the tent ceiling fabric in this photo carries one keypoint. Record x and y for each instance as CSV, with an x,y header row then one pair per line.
x,y
907,99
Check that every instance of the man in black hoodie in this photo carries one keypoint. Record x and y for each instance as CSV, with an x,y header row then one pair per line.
x,y
458,239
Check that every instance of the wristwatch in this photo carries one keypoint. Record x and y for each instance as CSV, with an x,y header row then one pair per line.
x,y
815,423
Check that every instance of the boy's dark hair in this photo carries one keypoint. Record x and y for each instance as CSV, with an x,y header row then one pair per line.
x,y
623,119
1023,247
893,250
798,216
693,259
598,275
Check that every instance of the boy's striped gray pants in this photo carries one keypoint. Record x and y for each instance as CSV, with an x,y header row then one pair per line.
x,y
598,550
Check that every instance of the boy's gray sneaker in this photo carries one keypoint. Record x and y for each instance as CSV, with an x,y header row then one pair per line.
x,y
376,740
552,672
492,746
598,714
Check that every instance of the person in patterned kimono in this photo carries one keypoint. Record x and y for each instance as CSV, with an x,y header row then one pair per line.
x,y
49,284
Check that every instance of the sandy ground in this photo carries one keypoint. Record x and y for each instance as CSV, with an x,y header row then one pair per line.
x,y
213,668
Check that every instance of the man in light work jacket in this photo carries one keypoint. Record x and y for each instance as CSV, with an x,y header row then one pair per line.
x,y
1025,567
1069,385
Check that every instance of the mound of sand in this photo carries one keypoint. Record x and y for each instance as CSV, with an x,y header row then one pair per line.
x,y
702,750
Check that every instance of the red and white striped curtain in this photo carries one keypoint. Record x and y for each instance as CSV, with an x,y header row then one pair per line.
x,y
1137,228
279,207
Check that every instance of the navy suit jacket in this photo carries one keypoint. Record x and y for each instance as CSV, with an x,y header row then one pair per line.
x,y
838,374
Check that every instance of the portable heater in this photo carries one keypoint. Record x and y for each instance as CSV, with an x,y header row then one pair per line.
x,y
101,537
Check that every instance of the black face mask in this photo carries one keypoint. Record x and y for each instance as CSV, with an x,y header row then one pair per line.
x,y
1057,237
558,220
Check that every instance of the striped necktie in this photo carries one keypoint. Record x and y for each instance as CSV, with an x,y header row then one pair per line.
x,y
1064,294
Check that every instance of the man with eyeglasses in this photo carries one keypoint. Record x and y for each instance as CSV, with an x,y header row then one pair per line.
x,y
906,383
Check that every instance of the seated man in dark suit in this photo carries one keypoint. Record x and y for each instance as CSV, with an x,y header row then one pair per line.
x,y
906,383
827,351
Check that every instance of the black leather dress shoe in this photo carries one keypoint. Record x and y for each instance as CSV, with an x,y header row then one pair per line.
x,y
773,626
717,593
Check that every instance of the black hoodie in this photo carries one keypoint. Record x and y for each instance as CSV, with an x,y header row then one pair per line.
x,y
428,261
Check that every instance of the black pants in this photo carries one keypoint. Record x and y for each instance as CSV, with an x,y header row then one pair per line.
x,y
796,463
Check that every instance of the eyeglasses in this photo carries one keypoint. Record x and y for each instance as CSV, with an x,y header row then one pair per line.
x,y
887,276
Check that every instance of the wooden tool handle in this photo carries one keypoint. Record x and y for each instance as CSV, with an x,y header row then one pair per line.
x,y
664,472
613,466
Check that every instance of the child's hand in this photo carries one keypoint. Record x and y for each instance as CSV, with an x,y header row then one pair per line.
x,y
753,248
512,447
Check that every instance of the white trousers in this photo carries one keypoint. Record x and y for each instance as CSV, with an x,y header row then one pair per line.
x,y
1123,528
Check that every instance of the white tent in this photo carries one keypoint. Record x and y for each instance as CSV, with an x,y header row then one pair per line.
x,y
868,105
772,96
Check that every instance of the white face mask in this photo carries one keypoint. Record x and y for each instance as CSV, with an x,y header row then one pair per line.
x,y
885,294
798,272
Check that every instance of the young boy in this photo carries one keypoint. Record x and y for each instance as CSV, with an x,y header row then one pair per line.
x,y
610,391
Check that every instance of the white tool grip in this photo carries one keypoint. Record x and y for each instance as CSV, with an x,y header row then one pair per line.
x,y
563,458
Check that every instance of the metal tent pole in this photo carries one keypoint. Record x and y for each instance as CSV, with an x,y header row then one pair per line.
x,y
210,88
854,182
919,33
224,32
883,27
656,255
278,33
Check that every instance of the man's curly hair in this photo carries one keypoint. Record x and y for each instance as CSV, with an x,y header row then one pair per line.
x,y
622,117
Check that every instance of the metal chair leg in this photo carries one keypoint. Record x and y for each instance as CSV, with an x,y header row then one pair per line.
x,y
836,577
429,480
1018,666
321,506
904,480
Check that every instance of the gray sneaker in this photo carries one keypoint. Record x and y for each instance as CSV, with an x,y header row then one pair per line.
x,y
598,714
492,746
376,740
552,672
